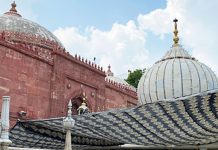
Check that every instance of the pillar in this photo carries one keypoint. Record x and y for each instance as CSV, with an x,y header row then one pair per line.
x,y
4,139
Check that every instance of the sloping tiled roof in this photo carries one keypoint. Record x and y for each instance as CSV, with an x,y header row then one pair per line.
x,y
192,121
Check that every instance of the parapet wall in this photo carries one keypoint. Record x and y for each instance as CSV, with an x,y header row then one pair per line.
x,y
79,60
121,88
36,47
42,48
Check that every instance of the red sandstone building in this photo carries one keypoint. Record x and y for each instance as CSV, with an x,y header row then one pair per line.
x,y
41,76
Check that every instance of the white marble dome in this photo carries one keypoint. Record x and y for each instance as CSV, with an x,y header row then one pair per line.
x,y
176,75
13,22
110,77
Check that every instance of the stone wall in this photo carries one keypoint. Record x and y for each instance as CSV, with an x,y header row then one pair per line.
x,y
42,77
119,97
69,74
27,81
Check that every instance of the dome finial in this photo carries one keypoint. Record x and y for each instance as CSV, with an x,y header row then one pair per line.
x,y
175,38
13,7
83,107
109,72
13,10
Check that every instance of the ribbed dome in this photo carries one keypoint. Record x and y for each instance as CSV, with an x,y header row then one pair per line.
x,y
176,75
13,22
177,51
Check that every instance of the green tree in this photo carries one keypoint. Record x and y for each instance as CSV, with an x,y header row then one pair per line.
x,y
134,77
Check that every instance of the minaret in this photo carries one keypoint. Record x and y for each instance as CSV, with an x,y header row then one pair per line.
x,y
175,38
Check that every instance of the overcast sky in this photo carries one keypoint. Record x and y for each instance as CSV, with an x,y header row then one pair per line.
x,y
127,34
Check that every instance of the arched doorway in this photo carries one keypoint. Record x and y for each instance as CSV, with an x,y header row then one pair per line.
x,y
76,102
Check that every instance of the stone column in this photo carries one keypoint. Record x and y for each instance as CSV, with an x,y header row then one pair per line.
x,y
68,145
4,140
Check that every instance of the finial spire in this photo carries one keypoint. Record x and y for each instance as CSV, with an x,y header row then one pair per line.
x,y
13,10
83,108
109,72
69,111
84,97
13,7
175,38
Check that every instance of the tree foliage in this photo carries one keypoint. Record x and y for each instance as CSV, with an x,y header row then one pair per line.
x,y
134,77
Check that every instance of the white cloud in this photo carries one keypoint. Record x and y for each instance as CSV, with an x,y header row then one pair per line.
x,y
197,26
124,46
118,47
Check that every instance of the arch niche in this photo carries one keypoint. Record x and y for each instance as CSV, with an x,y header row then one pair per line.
x,y
76,102
77,99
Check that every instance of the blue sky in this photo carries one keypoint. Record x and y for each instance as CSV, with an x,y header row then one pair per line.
x,y
127,34
82,13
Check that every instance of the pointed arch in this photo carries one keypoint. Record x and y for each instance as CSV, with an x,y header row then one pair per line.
x,y
77,99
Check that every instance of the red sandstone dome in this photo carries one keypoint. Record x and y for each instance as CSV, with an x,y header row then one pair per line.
x,y
18,30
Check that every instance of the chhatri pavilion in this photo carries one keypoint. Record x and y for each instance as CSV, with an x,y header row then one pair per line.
x,y
177,109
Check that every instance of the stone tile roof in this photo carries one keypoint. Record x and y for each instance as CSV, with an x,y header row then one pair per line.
x,y
192,121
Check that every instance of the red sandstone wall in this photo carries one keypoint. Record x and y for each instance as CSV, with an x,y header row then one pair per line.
x,y
118,98
68,76
27,81
42,87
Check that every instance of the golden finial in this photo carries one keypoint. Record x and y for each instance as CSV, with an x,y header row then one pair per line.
x,y
175,38
83,94
84,98
83,107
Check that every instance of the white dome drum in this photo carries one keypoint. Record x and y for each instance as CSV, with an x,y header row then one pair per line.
x,y
176,75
